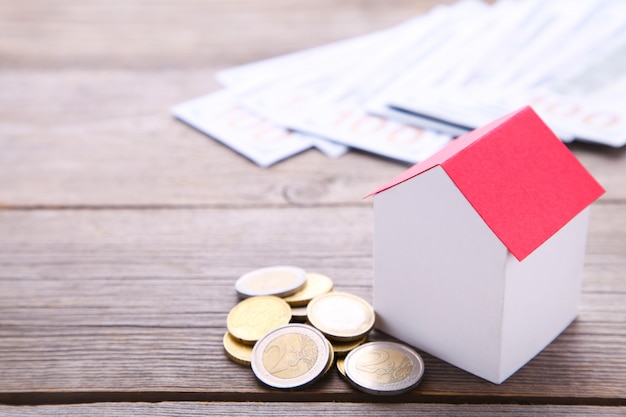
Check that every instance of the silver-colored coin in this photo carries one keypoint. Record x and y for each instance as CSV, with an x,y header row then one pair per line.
x,y
291,356
280,281
384,368
342,317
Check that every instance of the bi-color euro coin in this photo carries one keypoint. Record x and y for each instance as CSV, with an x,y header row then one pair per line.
x,y
384,368
280,281
291,356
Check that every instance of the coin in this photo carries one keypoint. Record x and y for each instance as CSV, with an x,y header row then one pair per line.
x,y
384,368
316,284
291,356
343,348
342,317
341,367
253,317
298,314
237,351
331,359
280,281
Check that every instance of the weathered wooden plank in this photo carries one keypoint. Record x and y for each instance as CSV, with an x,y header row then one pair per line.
x,y
213,244
222,244
302,409
145,34
600,161
123,148
584,365
135,300
122,301
86,138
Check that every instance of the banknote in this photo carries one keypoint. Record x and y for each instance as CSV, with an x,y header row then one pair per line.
x,y
405,91
532,52
221,117
248,77
591,103
328,100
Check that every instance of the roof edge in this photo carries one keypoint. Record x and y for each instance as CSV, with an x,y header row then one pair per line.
x,y
450,150
397,180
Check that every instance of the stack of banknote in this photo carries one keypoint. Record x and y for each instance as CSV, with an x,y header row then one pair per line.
x,y
406,91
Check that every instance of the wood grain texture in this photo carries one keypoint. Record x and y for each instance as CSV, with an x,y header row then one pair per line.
x,y
122,231
192,409
185,33
126,301
106,138
302,409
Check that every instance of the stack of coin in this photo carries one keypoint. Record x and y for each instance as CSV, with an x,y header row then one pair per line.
x,y
296,286
262,309
266,332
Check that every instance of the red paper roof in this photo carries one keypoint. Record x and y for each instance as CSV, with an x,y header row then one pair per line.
x,y
519,177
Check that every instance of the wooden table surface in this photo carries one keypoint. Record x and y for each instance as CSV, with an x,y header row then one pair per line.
x,y
122,230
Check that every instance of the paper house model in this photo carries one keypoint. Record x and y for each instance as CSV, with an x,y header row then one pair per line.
x,y
479,250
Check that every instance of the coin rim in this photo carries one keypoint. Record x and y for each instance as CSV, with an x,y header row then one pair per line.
x,y
331,357
382,389
316,372
230,341
343,348
293,299
298,318
281,292
340,363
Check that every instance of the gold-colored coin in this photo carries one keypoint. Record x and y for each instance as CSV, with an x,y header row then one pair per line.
x,y
343,348
316,284
341,367
298,314
331,358
291,356
280,281
235,350
341,316
253,317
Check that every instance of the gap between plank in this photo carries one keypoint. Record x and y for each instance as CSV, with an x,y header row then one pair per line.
x,y
66,398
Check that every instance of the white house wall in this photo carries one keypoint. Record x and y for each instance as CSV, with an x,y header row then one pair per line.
x,y
542,294
439,273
